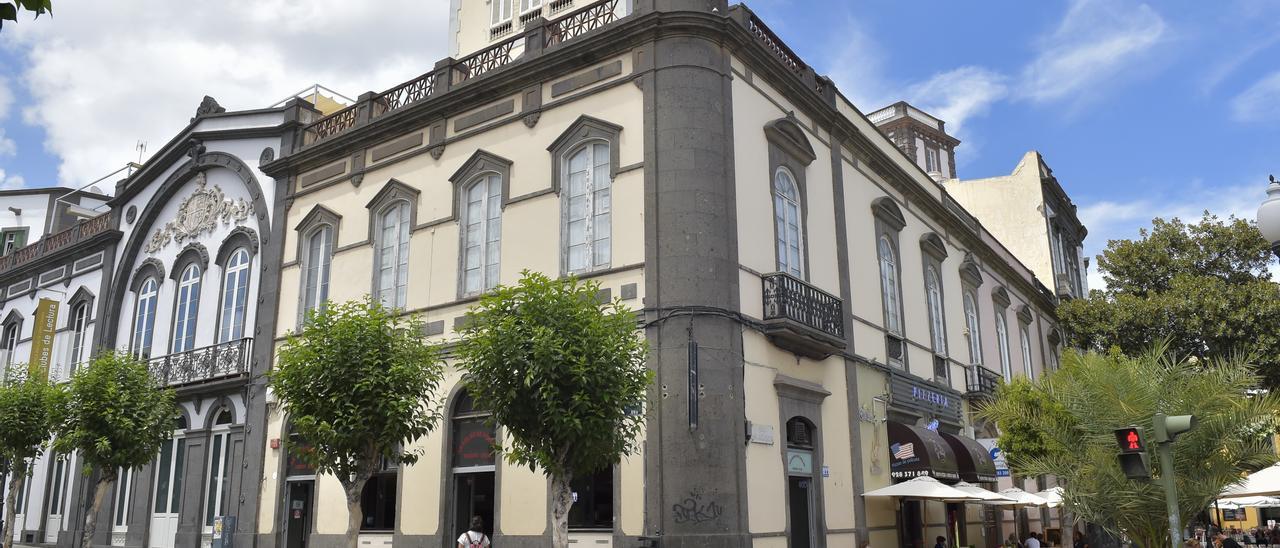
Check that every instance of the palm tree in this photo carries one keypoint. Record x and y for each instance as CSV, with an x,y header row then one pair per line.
x,y
1062,425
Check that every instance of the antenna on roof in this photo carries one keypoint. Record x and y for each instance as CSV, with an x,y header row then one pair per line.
x,y
142,149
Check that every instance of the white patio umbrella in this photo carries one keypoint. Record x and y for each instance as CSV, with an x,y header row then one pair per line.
x,y
1265,482
1022,498
983,495
1227,505
1052,496
923,487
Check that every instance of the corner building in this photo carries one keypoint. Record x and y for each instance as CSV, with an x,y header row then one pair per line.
x,y
823,317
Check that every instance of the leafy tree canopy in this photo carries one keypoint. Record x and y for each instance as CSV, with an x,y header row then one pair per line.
x,y
116,416
1204,288
1063,425
9,9
356,385
564,375
26,421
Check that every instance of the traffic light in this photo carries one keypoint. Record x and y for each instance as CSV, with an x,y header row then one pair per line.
x,y
1168,428
1133,453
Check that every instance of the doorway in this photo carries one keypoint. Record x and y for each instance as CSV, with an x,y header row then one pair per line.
x,y
800,497
168,493
297,523
473,496
911,523
57,498
957,525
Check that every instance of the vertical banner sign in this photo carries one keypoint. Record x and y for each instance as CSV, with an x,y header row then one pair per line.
x,y
42,339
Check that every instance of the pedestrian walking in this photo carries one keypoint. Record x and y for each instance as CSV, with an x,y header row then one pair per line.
x,y
475,537
1033,540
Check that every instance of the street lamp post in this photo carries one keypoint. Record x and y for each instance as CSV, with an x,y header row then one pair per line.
x,y
1269,216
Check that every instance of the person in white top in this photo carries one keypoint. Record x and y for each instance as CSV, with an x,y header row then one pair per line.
x,y
1033,541
474,538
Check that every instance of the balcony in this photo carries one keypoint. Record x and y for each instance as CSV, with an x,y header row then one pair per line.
x,y
802,318
224,361
55,242
981,382
1066,287
538,35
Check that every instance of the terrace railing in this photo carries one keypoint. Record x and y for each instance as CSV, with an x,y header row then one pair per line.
x,y
61,240
225,360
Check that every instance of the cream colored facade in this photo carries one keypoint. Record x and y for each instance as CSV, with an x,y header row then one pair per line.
x,y
700,110
1030,214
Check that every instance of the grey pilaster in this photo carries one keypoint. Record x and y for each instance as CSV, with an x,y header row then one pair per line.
x,y
691,259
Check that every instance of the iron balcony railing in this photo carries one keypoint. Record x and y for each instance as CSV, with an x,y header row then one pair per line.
x,y
54,242
220,361
538,34
790,298
982,382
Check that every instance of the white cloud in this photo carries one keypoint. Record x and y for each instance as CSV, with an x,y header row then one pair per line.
x,y
960,94
1260,102
7,146
104,78
6,98
858,67
1094,44
1116,219
11,182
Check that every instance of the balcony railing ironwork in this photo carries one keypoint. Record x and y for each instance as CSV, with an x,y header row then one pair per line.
x,y
486,60
225,360
790,298
581,21
49,244
405,94
981,382
452,72
330,125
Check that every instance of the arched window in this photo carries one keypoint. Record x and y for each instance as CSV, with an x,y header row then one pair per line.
x,y
787,219
144,318
393,254
188,308
316,273
9,339
79,326
588,221
1002,340
235,296
472,464
974,327
218,480
481,234
889,286
1026,352
937,323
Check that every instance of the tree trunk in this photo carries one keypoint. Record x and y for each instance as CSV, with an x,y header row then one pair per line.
x,y
16,481
355,517
561,502
99,492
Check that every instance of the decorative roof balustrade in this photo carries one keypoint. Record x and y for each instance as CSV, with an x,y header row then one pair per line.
x,y
57,241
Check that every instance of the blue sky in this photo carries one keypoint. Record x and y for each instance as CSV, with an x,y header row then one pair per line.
x,y
1142,109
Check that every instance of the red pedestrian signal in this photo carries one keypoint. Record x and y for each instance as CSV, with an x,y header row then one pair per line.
x,y
1130,440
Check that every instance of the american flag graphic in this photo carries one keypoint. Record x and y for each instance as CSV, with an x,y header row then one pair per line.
x,y
903,450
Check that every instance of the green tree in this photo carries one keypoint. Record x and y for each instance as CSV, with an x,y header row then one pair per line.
x,y
356,385
564,376
1204,288
26,424
9,9
116,415
1063,425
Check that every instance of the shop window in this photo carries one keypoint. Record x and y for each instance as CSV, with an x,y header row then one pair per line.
x,y
378,500
592,501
